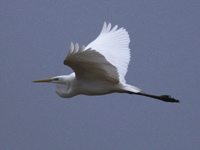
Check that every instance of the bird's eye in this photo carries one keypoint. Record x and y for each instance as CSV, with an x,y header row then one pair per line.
x,y
55,79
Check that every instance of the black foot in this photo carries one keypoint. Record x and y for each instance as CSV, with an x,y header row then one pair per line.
x,y
168,98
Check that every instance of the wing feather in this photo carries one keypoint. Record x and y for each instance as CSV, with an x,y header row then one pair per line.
x,y
113,44
90,64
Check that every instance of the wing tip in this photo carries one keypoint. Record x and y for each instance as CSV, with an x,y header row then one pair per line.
x,y
75,49
71,48
107,27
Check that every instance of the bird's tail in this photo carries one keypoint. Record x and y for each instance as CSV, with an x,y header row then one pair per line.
x,y
131,89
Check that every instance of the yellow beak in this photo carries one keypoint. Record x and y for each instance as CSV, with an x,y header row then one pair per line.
x,y
44,80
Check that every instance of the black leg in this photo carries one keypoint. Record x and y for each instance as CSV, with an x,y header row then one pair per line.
x,y
166,98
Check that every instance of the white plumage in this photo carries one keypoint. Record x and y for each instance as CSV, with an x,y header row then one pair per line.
x,y
114,46
100,67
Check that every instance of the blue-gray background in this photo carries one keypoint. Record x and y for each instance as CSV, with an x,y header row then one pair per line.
x,y
165,49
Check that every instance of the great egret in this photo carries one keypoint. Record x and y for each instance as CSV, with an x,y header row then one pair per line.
x,y
99,67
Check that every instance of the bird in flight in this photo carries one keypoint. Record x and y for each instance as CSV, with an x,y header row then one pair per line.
x,y
100,67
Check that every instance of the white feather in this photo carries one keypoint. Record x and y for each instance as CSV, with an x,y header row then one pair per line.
x,y
113,44
76,48
82,48
71,49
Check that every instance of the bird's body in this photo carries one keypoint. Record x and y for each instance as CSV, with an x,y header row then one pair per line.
x,y
71,86
100,67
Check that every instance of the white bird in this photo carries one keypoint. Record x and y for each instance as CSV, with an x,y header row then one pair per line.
x,y
100,67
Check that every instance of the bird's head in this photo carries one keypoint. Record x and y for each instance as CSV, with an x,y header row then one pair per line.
x,y
57,79
62,84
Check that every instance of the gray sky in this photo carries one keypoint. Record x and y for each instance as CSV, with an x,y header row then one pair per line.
x,y
165,59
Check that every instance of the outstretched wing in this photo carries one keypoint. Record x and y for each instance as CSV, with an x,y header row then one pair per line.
x,y
90,64
113,44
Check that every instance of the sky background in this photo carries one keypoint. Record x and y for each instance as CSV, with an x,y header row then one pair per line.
x,y
165,59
